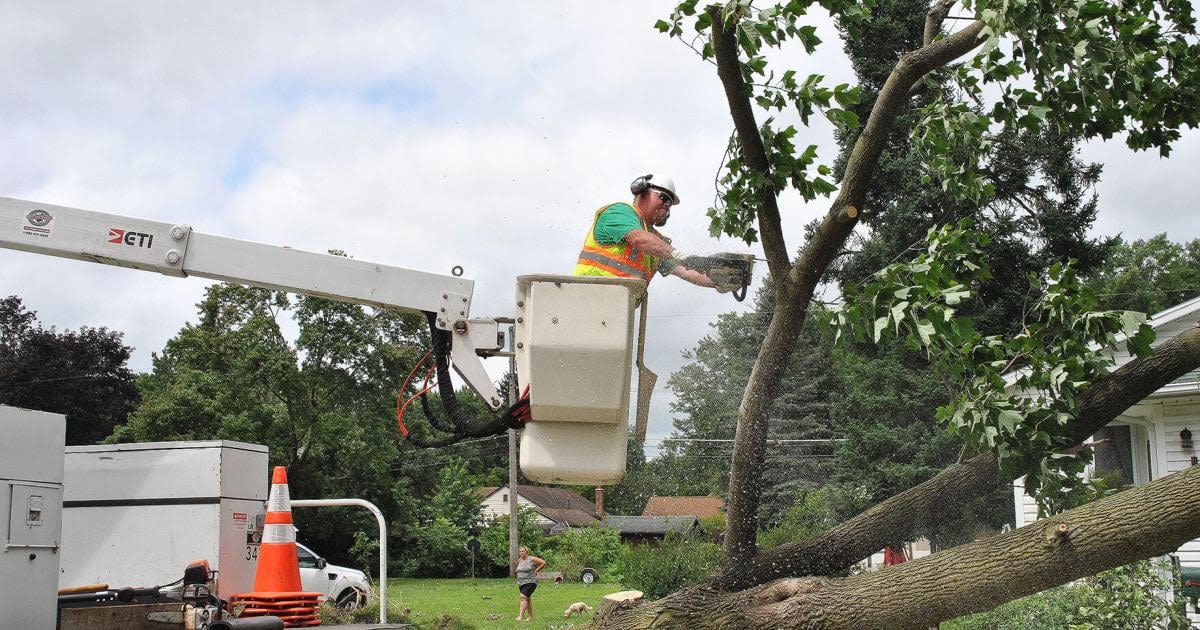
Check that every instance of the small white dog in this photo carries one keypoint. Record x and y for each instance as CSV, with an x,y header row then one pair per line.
x,y
579,608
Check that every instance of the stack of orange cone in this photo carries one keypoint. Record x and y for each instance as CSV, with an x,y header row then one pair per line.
x,y
277,591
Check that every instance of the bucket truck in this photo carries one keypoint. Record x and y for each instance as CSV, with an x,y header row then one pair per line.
x,y
574,336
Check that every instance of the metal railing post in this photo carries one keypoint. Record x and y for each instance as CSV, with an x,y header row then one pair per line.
x,y
382,539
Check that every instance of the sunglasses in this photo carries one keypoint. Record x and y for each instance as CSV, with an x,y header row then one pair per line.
x,y
666,199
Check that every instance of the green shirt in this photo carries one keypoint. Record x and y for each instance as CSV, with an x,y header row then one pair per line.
x,y
618,220
615,222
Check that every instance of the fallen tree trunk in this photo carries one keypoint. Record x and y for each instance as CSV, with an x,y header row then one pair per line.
x,y
1143,522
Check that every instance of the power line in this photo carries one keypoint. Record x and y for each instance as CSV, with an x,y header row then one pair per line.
x,y
772,458
60,378
441,460
781,441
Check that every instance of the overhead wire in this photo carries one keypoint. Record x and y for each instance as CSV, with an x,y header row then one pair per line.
x,y
59,378
445,459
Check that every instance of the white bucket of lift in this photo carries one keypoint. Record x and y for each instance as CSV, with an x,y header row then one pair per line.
x,y
574,347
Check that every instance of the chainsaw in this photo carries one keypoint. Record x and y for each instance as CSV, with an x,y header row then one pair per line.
x,y
730,272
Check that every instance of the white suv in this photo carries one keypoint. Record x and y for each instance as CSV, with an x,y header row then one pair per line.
x,y
343,587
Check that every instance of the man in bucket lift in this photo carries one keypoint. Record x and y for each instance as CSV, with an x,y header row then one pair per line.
x,y
623,242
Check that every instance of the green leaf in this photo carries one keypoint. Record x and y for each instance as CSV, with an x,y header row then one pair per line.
x,y
953,296
990,434
808,37
1131,321
1008,421
880,325
1139,343
925,329
898,314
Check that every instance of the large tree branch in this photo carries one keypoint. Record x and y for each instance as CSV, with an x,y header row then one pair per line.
x,y
792,294
750,439
903,516
737,93
864,157
934,19
1143,522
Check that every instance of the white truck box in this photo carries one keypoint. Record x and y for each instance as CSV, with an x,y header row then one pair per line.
x,y
31,475
137,514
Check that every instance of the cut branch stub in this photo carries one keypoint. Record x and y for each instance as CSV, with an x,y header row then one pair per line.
x,y
619,601
847,213
1058,535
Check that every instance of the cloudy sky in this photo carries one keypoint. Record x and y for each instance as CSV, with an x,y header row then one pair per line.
x,y
423,135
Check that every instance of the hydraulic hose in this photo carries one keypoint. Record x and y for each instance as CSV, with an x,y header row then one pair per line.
x,y
461,425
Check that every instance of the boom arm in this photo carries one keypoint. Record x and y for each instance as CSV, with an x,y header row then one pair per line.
x,y
176,250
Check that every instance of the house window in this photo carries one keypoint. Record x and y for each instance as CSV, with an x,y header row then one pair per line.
x,y
505,500
1114,455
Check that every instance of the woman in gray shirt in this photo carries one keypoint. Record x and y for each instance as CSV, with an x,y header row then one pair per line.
x,y
527,569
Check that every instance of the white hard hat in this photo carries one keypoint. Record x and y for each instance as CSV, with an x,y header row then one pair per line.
x,y
657,182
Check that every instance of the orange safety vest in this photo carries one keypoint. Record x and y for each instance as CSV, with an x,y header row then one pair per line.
x,y
619,259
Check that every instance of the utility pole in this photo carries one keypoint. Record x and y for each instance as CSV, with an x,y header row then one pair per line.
x,y
513,543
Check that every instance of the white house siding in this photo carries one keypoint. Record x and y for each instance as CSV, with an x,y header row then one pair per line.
x,y
495,505
1155,426
1027,511
1173,418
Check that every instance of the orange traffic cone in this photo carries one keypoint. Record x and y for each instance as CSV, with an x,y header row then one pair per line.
x,y
278,565
277,589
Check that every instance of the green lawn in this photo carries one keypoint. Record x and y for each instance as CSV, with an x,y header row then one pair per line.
x,y
473,600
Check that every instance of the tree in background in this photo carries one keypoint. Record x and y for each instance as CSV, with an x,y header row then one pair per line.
x,y
808,516
1036,201
324,404
82,374
705,403
1148,275
680,560
643,479
706,390
446,520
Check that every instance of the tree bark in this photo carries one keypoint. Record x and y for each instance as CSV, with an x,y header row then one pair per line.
x,y
749,449
725,50
1143,522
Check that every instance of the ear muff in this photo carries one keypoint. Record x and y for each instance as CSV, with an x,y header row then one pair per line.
x,y
641,184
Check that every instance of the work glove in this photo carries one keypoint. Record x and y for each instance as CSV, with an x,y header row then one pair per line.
x,y
726,288
691,261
